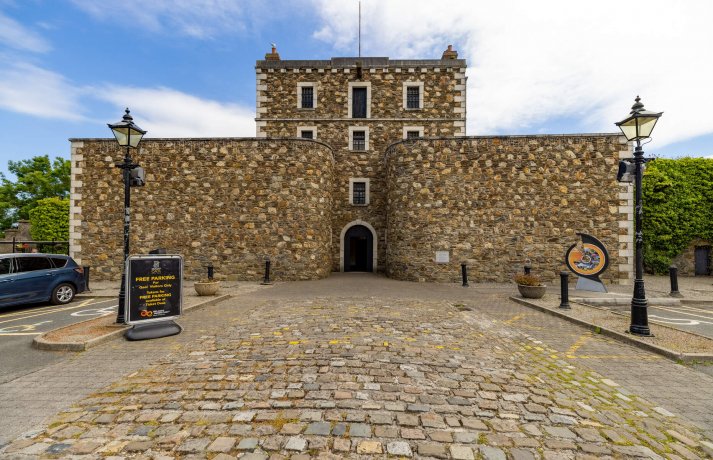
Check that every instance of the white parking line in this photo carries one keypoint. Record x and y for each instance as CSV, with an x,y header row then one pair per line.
x,y
83,304
685,313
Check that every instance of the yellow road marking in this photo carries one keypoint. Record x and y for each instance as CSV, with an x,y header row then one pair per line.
x,y
21,333
83,304
35,310
514,318
578,344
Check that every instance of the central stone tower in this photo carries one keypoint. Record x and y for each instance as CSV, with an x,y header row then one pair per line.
x,y
360,106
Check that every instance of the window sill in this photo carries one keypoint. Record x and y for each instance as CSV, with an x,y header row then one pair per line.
x,y
360,205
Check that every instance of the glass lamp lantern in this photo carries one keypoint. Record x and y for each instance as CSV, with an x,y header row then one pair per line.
x,y
640,122
126,132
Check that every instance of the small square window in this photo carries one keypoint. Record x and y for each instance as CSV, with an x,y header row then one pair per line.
x,y
307,97
413,99
359,140
359,193
412,134
307,134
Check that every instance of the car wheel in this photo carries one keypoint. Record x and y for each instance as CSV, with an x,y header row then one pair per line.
x,y
62,294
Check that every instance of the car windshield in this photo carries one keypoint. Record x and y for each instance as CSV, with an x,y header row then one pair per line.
x,y
5,266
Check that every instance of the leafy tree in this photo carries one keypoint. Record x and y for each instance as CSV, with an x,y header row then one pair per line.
x,y
49,221
678,207
37,178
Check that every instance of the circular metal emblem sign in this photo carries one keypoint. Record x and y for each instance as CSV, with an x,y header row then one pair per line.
x,y
589,258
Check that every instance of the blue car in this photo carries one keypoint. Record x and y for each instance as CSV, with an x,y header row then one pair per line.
x,y
28,278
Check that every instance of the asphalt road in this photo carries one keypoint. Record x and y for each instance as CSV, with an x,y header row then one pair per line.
x,y
20,325
692,318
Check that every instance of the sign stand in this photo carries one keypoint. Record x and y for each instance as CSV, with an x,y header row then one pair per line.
x,y
153,331
154,296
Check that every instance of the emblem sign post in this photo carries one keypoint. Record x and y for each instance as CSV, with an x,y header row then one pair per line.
x,y
153,295
588,260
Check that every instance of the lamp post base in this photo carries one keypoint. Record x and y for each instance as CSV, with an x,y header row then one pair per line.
x,y
153,331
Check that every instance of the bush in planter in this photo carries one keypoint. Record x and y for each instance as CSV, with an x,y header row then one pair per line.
x,y
528,280
530,286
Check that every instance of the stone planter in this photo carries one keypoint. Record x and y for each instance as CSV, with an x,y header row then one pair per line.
x,y
206,287
531,292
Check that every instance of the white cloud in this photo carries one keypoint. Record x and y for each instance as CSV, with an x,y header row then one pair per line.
x,y
165,112
195,18
28,89
19,37
530,62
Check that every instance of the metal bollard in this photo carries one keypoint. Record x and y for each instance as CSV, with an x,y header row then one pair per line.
x,y
86,277
564,290
464,274
673,274
527,267
266,279
210,271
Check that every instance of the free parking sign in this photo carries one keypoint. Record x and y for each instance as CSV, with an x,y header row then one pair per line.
x,y
154,288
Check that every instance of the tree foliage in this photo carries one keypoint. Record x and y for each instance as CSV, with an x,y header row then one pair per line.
x,y
49,221
37,178
678,208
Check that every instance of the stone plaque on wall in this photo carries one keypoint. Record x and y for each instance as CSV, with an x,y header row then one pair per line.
x,y
443,257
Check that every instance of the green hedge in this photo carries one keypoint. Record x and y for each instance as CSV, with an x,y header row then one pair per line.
x,y
678,208
49,221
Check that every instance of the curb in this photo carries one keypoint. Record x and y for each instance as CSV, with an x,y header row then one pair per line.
x,y
665,352
615,301
40,343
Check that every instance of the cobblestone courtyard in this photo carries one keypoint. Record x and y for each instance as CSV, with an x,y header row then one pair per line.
x,y
362,366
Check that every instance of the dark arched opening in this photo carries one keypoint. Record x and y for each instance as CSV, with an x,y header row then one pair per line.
x,y
358,249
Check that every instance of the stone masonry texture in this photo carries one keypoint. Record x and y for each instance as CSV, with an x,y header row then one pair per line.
x,y
231,202
491,202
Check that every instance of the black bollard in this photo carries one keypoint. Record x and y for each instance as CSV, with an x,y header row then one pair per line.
x,y
673,274
86,277
527,267
210,271
266,279
464,274
564,290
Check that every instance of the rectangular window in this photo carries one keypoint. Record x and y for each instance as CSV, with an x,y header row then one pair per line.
x,y
412,134
307,97
30,264
307,134
359,193
359,140
413,99
359,102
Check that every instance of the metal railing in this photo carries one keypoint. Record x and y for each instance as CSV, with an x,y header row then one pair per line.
x,y
25,246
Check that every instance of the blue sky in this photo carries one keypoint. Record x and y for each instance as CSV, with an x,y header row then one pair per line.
x,y
186,67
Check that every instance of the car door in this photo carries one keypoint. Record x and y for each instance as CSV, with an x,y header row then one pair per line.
x,y
6,291
34,279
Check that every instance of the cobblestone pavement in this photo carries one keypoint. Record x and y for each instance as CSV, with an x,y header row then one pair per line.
x,y
361,367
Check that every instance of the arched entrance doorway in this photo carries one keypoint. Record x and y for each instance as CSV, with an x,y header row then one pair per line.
x,y
358,248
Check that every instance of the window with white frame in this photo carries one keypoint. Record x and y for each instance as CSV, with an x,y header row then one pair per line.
x,y
412,132
307,132
358,138
413,95
306,95
359,191
359,99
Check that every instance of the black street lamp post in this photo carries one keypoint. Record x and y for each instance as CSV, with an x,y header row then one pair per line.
x,y
638,125
128,135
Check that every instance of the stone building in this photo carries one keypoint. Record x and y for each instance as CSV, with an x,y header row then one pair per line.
x,y
359,164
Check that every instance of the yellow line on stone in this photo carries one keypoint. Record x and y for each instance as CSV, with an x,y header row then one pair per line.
x,y
514,318
578,344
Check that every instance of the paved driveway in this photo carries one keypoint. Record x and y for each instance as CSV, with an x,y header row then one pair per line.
x,y
361,366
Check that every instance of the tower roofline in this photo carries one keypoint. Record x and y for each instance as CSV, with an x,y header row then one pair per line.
x,y
351,62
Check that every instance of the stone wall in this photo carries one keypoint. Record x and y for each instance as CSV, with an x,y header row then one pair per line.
x,y
686,261
443,114
231,202
495,201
